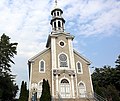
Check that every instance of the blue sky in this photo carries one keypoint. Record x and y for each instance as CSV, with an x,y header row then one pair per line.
x,y
94,23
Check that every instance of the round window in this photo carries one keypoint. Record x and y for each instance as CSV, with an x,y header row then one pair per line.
x,y
62,43
62,57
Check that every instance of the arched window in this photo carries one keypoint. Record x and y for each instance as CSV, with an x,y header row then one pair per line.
x,y
63,60
42,66
39,92
65,88
79,67
82,90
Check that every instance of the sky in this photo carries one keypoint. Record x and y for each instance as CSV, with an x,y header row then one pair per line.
x,y
94,23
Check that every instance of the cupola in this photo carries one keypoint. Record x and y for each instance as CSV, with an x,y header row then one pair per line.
x,y
57,20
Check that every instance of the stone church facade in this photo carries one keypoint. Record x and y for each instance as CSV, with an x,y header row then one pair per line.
x,y
66,69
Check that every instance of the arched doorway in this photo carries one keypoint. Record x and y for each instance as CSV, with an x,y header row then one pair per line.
x,y
65,88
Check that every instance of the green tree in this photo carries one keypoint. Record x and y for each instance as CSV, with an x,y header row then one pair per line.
x,y
23,92
105,82
112,93
7,52
118,62
8,87
46,96
117,74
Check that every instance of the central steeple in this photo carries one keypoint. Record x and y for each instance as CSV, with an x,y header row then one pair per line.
x,y
57,20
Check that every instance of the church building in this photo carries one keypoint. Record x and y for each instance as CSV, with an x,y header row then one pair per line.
x,y
66,69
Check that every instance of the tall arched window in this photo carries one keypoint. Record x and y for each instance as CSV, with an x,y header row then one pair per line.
x,y
39,92
82,90
63,60
42,66
79,67
65,88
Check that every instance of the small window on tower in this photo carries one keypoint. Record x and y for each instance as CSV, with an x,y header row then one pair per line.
x,y
54,13
57,13
59,25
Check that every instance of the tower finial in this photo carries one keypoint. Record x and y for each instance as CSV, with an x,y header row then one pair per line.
x,y
55,3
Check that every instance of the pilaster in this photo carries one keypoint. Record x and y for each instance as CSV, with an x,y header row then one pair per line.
x,y
72,63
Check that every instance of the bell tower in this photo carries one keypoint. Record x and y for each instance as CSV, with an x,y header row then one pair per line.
x,y
57,20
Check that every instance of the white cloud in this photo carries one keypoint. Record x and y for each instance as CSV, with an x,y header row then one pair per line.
x,y
92,17
25,22
22,19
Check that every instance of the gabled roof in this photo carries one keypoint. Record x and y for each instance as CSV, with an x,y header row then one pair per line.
x,y
37,55
84,58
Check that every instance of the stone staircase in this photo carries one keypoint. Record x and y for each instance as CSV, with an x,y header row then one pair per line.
x,y
88,97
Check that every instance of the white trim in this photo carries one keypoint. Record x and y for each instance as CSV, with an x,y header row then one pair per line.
x,y
84,58
37,55
81,82
56,24
72,61
34,86
53,50
57,89
40,66
61,24
69,83
59,61
72,84
38,89
40,81
81,67
53,56
62,68
30,81
76,85
90,80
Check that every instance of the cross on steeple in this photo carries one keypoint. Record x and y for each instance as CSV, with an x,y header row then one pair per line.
x,y
55,3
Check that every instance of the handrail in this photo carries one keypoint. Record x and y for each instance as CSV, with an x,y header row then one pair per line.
x,y
95,96
99,97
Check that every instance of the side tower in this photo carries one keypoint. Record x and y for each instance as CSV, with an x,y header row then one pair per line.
x,y
62,56
66,70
